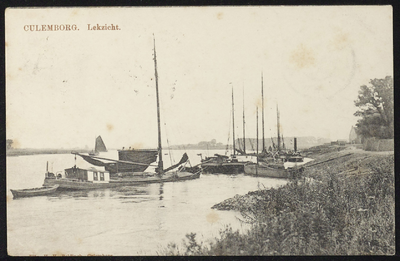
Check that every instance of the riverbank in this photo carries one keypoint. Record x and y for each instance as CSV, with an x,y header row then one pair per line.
x,y
25,152
343,205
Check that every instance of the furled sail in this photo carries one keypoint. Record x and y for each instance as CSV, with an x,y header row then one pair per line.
x,y
146,156
129,160
183,160
100,146
111,167
92,160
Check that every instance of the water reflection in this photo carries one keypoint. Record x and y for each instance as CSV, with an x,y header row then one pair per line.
x,y
99,193
126,194
161,191
27,198
81,194
62,194
161,213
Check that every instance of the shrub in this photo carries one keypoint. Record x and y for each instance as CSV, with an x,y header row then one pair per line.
x,y
332,213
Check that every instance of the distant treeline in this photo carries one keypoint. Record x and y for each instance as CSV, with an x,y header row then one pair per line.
x,y
21,152
251,144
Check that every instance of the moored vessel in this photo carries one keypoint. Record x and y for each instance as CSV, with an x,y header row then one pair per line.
x,y
78,178
33,192
222,164
278,163
85,179
123,172
269,170
98,147
142,158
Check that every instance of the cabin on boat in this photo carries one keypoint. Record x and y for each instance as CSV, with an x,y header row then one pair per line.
x,y
92,174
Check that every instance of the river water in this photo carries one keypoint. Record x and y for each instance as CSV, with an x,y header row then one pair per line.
x,y
132,220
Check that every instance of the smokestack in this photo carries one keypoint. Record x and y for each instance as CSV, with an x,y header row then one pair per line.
x,y
295,144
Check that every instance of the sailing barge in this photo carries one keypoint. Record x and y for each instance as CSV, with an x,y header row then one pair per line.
x,y
278,164
128,170
222,164
98,147
141,157
84,179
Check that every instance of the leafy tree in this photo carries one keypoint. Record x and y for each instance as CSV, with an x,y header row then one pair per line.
x,y
375,107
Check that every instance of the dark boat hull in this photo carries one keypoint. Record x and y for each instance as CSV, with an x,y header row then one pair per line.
x,y
223,168
45,190
74,184
139,178
144,179
266,171
272,171
144,156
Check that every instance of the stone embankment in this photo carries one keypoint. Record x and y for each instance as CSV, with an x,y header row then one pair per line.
x,y
238,202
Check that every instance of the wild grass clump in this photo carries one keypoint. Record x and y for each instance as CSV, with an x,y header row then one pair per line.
x,y
334,214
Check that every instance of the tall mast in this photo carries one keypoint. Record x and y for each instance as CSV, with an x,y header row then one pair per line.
x,y
244,128
278,127
257,140
262,104
160,169
233,122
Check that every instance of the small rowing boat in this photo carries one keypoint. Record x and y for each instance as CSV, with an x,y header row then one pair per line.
x,y
32,192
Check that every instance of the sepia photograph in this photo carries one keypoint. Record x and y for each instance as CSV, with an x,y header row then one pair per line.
x,y
200,131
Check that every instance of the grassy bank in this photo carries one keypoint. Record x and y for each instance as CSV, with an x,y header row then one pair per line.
x,y
344,206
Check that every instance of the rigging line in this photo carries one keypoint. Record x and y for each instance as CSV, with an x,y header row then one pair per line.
x,y
244,126
240,143
233,123
172,160
251,144
169,148
188,161
272,140
229,134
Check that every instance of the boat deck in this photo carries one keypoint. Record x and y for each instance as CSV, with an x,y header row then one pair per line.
x,y
139,178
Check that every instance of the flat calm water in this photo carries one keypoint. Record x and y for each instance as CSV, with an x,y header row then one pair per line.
x,y
130,220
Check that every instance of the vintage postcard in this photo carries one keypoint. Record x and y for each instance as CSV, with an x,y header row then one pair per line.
x,y
246,130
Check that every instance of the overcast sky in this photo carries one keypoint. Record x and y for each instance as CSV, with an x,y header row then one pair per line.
x,y
65,88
